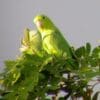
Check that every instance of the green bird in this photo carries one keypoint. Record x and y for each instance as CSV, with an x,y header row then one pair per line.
x,y
52,39
31,42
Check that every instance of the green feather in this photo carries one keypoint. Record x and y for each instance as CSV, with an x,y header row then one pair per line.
x,y
52,39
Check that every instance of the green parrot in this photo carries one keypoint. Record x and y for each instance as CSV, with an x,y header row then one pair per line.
x,y
31,42
52,39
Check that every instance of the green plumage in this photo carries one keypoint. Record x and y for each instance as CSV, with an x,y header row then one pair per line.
x,y
52,39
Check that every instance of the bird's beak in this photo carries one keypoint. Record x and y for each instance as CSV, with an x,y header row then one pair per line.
x,y
39,24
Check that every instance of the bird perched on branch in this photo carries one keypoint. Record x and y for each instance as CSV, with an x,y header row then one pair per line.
x,y
52,39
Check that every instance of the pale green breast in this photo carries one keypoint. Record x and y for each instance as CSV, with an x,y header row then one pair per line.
x,y
54,43
49,42
48,46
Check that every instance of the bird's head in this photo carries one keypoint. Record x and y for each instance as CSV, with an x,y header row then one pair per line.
x,y
43,23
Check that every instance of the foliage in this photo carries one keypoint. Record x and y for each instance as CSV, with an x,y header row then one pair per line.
x,y
31,76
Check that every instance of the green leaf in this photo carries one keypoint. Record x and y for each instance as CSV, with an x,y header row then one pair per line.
x,y
96,52
9,64
88,49
80,52
88,73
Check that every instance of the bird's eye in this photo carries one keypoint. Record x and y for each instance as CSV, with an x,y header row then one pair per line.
x,y
43,17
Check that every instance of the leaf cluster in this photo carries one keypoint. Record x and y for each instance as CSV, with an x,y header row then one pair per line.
x,y
31,77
